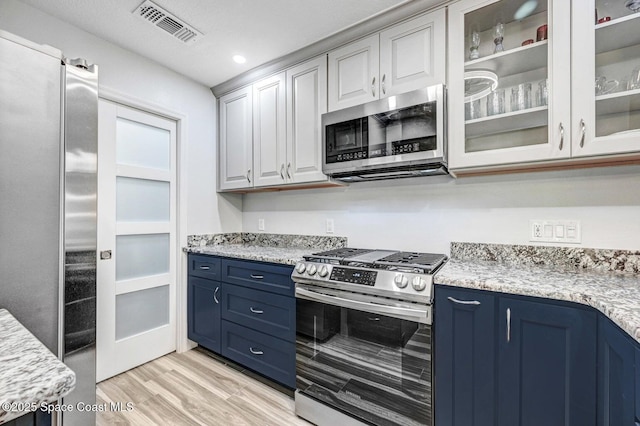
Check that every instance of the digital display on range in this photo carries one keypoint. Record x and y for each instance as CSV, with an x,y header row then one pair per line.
x,y
354,276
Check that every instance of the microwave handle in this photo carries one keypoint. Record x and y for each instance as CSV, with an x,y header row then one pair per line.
x,y
416,315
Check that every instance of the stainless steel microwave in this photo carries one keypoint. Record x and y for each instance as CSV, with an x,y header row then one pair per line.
x,y
399,136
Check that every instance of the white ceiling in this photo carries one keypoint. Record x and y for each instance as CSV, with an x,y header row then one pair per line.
x,y
261,30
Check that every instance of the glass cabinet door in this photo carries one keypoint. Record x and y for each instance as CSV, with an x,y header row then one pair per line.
x,y
509,82
606,71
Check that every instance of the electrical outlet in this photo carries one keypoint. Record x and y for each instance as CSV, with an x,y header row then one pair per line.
x,y
260,224
555,231
329,226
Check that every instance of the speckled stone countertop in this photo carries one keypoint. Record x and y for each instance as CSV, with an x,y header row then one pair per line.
x,y
588,277
273,248
29,373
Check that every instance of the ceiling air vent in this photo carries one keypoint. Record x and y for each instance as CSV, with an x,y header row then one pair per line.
x,y
154,14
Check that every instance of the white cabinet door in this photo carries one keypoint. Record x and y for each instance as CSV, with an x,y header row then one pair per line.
x,y
412,54
527,129
605,121
269,132
306,102
236,140
353,73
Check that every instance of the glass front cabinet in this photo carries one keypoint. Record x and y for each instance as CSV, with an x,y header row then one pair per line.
x,y
542,82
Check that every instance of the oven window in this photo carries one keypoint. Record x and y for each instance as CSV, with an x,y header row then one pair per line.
x,y
374,367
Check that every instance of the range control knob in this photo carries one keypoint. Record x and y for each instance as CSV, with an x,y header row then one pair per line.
x,y
418,284
301,267
400,280
324,271
311,270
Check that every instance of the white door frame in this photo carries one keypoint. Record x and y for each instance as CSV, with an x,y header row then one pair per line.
x,y
182,342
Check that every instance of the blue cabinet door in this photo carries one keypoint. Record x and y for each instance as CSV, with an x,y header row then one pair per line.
x,y
464,361
546,355
203,310
616,375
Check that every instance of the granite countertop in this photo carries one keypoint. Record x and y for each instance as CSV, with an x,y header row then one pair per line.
x,y
273,248
30,374
284,255
614,293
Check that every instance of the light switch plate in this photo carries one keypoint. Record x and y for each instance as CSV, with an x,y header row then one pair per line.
x,y
329,226
555,231
260,224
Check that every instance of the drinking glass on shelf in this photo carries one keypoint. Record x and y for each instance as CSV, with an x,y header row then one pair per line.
x,y
495,102
498,36
543,93
604,86
473,110
634,79
474,44
521,97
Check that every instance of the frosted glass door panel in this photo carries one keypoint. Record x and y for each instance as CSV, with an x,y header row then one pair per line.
x,y
142,200
141,145
141,255
141,311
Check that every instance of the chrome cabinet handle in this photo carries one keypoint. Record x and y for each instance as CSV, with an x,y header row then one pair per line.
x,y
256,352
215,298
289,170
561,136
463,302
256,311
583,131
249,175
374,319
383,89
373,87
282,171
508,324
205,268
257,277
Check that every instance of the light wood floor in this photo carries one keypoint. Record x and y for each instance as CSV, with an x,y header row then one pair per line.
x,y
192,388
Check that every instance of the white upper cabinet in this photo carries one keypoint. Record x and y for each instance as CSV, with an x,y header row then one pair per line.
x,y
412,54
269,131
236,139
406,56
509,83
353,73
606,81
306,102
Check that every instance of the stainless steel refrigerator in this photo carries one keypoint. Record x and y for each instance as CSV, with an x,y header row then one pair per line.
x,y
48,194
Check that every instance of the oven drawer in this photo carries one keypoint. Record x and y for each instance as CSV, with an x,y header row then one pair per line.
x,y
266,312
204,266
259,276
265,354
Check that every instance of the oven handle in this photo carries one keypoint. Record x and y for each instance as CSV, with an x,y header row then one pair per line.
x,y
415,315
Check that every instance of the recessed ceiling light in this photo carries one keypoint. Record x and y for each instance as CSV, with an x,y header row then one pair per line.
x,y
239,59
525,9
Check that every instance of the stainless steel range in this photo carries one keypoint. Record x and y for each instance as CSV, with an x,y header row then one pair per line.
x,y
363,336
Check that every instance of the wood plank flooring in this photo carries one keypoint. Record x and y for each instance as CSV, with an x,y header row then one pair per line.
x,y
192,388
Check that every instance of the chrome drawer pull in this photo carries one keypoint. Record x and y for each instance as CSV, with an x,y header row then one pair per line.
x,y
561,136
215,298
374,319
205,268
464,302
257,277
256,352
583,132
256,311
508,324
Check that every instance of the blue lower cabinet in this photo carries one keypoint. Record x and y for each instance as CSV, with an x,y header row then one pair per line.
x,y
617,376
265,354
464,361
203,310
637,379
546,359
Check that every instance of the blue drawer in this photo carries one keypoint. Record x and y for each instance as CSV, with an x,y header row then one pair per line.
x,y
259,276
265,354
269,313
204,266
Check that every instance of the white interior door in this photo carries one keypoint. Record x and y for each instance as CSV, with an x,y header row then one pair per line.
x,y
137,224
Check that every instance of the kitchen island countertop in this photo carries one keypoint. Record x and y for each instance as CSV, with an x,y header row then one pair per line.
x,y
615,294
30,375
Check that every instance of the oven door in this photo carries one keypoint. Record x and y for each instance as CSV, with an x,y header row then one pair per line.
x,y
361,358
